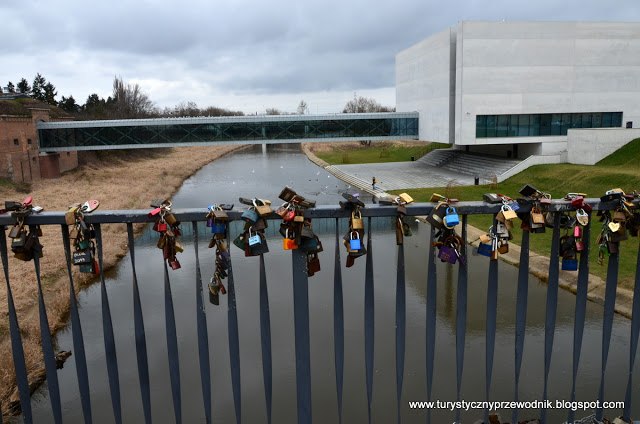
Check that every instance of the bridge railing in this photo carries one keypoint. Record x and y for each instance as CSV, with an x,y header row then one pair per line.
x,y
301,315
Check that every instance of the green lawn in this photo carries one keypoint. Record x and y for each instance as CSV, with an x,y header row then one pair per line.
x,y
621,169
377,154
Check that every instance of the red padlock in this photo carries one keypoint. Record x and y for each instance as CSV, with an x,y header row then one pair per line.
x,y
579,245
27,201
175,264
577,202
289,216
154,212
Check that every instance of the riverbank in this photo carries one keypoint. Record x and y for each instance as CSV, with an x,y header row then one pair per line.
x,y
538,264
118,182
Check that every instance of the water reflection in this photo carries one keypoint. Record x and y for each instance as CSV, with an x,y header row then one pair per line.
x,y
252,173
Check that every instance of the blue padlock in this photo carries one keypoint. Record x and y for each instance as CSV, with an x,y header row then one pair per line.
x,y
218,227
355,243
451,219
250,215
485,249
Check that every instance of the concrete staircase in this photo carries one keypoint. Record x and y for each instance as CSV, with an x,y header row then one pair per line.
x,y
479,165
439,157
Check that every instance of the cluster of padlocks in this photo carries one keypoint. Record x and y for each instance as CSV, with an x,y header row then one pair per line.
x,y
82,236
533,210
24,241
444,218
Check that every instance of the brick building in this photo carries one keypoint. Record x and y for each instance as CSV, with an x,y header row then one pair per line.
x,y
20,158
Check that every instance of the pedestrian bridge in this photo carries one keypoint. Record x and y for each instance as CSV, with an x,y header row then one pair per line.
x,y
202,131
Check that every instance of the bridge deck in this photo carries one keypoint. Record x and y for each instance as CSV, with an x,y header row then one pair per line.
x,y
170,132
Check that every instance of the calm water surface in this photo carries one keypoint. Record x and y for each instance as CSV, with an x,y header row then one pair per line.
x,y
254,173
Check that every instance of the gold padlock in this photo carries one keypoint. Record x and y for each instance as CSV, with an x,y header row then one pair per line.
x,y
169,218
356,220
435,197
406,198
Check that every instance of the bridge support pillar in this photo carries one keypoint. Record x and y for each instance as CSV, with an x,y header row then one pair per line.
x,y
264,148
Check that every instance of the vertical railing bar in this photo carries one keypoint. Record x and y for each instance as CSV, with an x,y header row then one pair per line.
x,y
431,316
47,342
141,340
234,339
633,346
203,333
521,313
461,315
369,319
607,321
401,313
581,309
301,330
551,309
109,339
76,332
492,313
338,323
16,341
265,338
172,346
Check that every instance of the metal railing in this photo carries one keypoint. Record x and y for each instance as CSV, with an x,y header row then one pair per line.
x,y
301,316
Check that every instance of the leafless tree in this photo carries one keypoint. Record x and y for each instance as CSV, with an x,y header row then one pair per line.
x,y
302,108
130,101
361,104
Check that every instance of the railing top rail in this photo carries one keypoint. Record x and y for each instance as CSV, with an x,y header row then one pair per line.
x,y
323,211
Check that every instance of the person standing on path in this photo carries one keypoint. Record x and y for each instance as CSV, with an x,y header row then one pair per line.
x,y
373,182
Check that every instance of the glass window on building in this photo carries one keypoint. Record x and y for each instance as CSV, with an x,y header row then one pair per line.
x,y
523,125
513,125
491,125
545,124
534,127
586,120
503,126
606,120
556,124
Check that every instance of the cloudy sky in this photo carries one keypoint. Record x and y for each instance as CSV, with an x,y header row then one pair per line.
x,y
246,54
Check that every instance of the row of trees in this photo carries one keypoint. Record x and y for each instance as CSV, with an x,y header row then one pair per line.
x,y
128,101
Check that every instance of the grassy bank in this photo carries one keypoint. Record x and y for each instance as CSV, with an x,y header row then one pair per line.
x,y
378,152
120,181
617,170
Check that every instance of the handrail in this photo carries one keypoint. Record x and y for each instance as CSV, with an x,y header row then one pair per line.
x,y
323,211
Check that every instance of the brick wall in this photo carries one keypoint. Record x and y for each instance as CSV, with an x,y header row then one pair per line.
x,y
19,153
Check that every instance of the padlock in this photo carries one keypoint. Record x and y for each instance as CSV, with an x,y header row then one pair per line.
x,y
356,220
259,247
162,225
174,264
504,247
579,245
569,264
537,217
484,249
288,243
306,231
313,263
508,213
405,198
435,218
449,250
582,217
250,215
545,200
253,239
451,219
82,257
169,218
263,208
289,216
218,227
355,243
577,232
16,230
619,216
282,209
299,217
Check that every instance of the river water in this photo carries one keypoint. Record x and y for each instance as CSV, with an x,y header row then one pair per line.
x,y
251,173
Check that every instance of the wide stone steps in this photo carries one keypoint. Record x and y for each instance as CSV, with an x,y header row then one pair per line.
x,y
471,164
439,157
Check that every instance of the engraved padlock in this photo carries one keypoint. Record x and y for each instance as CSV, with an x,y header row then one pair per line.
x,y
356,220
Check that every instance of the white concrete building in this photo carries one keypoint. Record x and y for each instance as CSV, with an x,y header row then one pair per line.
x,y
517,88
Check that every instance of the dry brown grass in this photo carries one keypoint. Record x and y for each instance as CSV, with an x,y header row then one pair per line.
x,y
119,182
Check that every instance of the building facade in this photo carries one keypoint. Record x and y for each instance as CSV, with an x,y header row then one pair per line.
x,y
517,88
20,157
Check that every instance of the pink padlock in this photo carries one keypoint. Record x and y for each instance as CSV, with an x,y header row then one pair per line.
x,y
579,246
577,232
